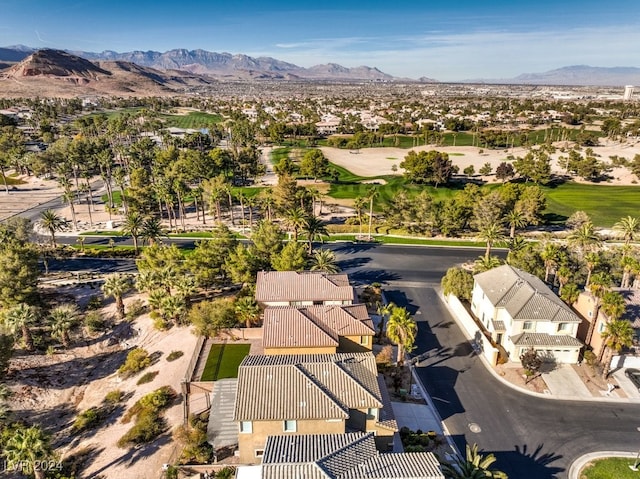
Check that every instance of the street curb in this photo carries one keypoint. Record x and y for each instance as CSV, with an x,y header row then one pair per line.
x,y
490,368
577,465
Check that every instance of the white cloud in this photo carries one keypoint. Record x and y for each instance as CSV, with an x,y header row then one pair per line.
x,y
476,54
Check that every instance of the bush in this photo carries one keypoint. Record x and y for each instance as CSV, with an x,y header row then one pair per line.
x,y
135,309
385,357
94,322
95,302
149,424
226,473
173,355
147,377
136,361
88,419
113,397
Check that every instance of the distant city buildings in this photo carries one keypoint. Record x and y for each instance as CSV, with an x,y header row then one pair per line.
x,y
628,93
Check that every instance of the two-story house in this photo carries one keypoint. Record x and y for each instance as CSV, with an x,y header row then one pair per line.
x,y
520,312
309,394
317,329
306,288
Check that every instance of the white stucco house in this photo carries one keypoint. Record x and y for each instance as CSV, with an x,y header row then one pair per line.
x,y
519,311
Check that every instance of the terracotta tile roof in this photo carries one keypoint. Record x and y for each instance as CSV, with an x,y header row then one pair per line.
x,y
281,286
314,326
524,296
313,386
386,418
344,456
545,340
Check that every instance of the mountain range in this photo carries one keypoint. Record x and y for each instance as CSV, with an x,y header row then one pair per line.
x,y
210,66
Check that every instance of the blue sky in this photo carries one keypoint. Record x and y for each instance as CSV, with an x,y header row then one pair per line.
x,y
445,40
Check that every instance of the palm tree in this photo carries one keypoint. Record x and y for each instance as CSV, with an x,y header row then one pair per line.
x,y
173,308
401,329
629,264
117,285
68,195
613,305
550,255
63,318
26,447
359,204
373,193
247,310
324,260
296,219
628,226
592,260
473,466
484,263
585,238
491,233
564,275
132,226
52,222
384,310
314,229
617,335
515,219
19,318
600,284
151,230
570,293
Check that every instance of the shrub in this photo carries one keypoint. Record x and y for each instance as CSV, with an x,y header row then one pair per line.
x,y
95,302
113,397
149,424
147,377
88,419
135,309
94,322
173,355
226,473
136,361
385,357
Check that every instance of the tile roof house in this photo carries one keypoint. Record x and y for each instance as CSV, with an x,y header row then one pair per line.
x,y
309,394
341,456
519,311
586,306
317,329
307,288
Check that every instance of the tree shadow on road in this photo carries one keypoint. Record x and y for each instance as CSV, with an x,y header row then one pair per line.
x,y
532,463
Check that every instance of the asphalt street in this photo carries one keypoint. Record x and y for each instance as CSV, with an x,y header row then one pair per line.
x,y
532,438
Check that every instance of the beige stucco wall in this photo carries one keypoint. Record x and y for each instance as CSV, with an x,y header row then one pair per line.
x,y
351,344
248,443
300,350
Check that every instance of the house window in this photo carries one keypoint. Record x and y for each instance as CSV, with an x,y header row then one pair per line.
x,y
372,413
259,452
527,326
600,327
564,327
290,426
246,427
364,339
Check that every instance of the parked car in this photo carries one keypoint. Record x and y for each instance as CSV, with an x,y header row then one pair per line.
x,y
634,375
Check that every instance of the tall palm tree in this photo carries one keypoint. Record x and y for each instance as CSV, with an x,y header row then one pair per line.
x,y
384,310
296,219
629,264
68,195
63,318
324,260
570,293
617,335
474,466
564,276
585,238
613,305
401,329
628,226
151,230
117,285
515,219
491,234
314,229
373,193
600,284
359,204
484,263
592,261
26,447
133,223
19,319
52,222
550,254
247,310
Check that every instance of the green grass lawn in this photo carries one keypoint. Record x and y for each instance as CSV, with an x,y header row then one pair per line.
x,y
610,468
224,360
403,240
194,120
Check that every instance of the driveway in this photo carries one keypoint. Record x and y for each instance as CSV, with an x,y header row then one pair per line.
x,y
564,381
